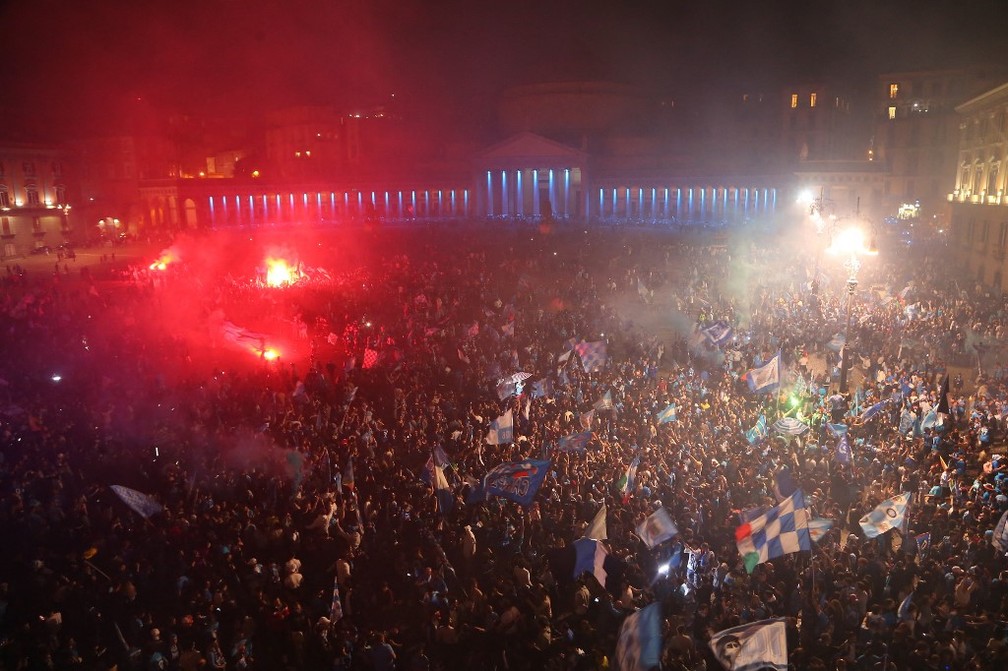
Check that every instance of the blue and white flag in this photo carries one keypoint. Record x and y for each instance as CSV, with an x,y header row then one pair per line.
x,y
754,646
907,421
628,483
639,645
781,530
836,430
657,528
818,527
784,484
506,389
667,415
718,332
590,557
843,454
873,410
502,430
577,442
758,432
837,343
604,403
542,388
140,503
434,476
1000,538
887,515
789,426
516,481
923,542
593,355
586,419
930,419
766,377
597,527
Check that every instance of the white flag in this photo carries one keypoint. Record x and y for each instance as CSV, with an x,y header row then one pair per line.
x,y
142,504
757,645
657,528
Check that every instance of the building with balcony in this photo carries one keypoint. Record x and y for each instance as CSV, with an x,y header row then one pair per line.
x,y
37,199
916,137
979,206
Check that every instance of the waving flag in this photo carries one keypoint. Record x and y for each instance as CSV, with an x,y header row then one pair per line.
x,y
593,355
597,528
781,530
586,419
873,410
517,481
657,528
542,388
837,343
370,358
628,483
818,527
757,645
766,377
604,403
718,332
843,454
836,430
502,430
639,645
887,515
434,476
140,503
758,432
577,442
929,420
667,415
784,484
1000,538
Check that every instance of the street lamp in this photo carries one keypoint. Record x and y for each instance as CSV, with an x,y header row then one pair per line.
x,y
850,243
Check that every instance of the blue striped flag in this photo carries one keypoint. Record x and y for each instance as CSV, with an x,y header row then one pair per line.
x,y
718,332
766,377
639,645
758,432
667,415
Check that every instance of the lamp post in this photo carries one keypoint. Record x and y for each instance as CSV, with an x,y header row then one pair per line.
x,y
850,243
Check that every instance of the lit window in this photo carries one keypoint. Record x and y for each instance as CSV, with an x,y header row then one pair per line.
x,y
892,111
794,100
893,91
31,196
4,197
812,99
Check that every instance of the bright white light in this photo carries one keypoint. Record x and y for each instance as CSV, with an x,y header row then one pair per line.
x,y
805,197
57,377
850,241
663,569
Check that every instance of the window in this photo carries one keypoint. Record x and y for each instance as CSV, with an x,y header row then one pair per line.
x,y
812,100
31,196
892,112
5,227
29,168
57,169
60,194
4,197
893,91
794,100
36,224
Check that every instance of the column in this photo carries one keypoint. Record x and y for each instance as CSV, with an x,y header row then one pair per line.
x,y
519,197
535,193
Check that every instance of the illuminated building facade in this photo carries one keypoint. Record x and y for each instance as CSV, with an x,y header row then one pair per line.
x,y
36,199
979,228
916,137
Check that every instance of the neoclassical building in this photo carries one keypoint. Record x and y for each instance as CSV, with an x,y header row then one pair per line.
x,y
979,227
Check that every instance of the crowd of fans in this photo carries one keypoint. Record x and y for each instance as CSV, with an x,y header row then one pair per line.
x,y
297,529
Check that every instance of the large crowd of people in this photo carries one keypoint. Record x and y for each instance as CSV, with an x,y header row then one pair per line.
x,y
286,518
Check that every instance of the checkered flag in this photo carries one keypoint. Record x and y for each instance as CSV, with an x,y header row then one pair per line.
x,y
781,530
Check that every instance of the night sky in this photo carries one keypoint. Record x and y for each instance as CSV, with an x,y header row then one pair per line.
x,y
68,62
